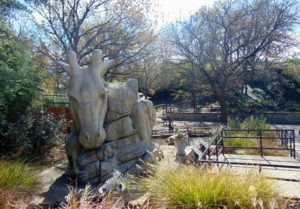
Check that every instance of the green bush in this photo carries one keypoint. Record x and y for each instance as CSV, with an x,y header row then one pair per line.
x,y
190,187
31,134
255,123
20,82
233,123
248,123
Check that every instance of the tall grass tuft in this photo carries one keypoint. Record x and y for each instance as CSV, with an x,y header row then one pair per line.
x,y
189,187
16,174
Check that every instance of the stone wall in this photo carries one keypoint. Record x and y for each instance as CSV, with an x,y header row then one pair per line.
x,y
273,118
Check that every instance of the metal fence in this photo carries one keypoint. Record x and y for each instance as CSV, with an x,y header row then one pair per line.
x,y
211,152
285,139
55,100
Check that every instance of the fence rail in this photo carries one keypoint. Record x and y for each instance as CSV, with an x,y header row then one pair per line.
x,y
191,132
187,108
55,100
285,140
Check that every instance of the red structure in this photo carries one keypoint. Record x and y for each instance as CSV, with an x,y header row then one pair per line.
x,y
59,112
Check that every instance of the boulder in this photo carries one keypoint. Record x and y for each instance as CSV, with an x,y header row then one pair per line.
x,y
87,157
131,151
90,156
93,169
108,166
131,140
125,166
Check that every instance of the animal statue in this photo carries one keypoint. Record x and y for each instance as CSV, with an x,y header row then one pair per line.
x,y
112,128
88,104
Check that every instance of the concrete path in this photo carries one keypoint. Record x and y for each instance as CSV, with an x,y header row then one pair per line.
x,y
54,185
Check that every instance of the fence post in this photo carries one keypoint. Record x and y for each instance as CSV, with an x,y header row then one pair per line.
x,y
294,144
222,142
261,145
217,152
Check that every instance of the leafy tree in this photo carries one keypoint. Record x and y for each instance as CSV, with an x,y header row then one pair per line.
x,y
20,80
190,85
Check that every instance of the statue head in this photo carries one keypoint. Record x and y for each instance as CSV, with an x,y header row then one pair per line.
x,y
88,98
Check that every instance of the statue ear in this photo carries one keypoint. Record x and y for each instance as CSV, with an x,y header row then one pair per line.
x,y
97,62
72,61
97,56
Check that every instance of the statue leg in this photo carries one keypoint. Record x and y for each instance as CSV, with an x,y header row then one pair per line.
x,y
143,117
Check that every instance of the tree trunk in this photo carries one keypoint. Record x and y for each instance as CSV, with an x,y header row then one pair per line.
x,y
224,109
194,104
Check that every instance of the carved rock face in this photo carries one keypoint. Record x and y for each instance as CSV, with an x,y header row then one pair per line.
x,y
88,100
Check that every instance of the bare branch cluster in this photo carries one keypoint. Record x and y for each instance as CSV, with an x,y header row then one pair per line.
x,y
232,38
116,27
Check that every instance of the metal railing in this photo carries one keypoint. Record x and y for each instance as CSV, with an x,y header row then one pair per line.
x,y
175,108
55,100
211,152
191,132
285,139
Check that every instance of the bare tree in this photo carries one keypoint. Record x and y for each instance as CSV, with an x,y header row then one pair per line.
x,y
148,69
232,38
114,26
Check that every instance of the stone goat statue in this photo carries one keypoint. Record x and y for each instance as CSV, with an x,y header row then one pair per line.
x,y
112,128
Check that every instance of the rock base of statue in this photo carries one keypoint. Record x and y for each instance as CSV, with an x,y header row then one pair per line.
x,y
127,155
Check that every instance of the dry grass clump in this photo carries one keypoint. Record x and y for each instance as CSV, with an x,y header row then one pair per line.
x,y
189,187
86,199
16,174
17,182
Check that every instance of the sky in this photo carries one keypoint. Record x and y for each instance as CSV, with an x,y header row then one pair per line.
x,y
170,10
